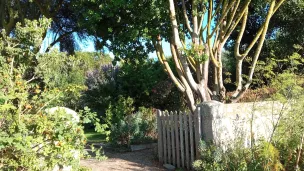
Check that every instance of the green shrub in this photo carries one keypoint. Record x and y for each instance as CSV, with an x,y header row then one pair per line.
x,y
260,157
147,126
211,158
144,81
132,129
31,138
102,89
128,127
289,133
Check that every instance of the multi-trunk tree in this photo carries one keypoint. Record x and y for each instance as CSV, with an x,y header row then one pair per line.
x,y
209,24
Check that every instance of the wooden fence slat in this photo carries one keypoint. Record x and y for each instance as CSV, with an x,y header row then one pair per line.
x,y
197,122
177,139
186,140
169,138
181,131
159,136
191,138
173,139
164,124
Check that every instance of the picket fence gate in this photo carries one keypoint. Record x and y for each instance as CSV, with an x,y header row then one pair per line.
x,y
179,135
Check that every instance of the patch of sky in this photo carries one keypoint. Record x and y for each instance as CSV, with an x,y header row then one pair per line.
x,y
84,45
87,44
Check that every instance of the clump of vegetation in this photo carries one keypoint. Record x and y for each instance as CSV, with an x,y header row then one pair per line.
x,y
31,138
260,157
143,81
197,53
126,127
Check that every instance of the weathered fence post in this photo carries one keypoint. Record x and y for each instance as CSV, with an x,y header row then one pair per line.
x,y
164,137
177,138
172,138
169,138
181,130
198,131
191,138
186,139
160,136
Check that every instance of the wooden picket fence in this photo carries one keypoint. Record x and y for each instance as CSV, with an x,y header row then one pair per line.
x,y
179,135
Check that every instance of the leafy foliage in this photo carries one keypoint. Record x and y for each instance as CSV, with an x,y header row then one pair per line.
x,y
126,127
101,88
260,157
31,138
125,27
148,85
211,158
197,52
143,81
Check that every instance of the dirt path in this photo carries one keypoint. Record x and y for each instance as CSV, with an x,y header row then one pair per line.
x,y
137,161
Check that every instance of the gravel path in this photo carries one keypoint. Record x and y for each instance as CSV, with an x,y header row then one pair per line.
x,y
137,161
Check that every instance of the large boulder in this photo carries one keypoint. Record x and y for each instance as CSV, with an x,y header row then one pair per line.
x,y
66,110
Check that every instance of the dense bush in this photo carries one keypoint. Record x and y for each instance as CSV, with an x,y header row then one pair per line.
x,y
101,88
260,157
31,138
126,127
68,73
149,86
268,72
145,82
289,133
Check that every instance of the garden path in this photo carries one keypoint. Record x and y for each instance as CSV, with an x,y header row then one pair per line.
x,y
143,160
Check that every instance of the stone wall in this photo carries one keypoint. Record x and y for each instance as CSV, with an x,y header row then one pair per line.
x,y
226,124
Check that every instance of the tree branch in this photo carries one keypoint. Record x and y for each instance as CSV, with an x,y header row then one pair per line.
x,y
260,32
231,18
238,94
186,17
260,45
240,36
174,25
230,29
200,24
221,20
178,45
215,62
161,57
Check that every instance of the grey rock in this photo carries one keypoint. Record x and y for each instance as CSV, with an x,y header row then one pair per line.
x,y
137,147
142,146
169,167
